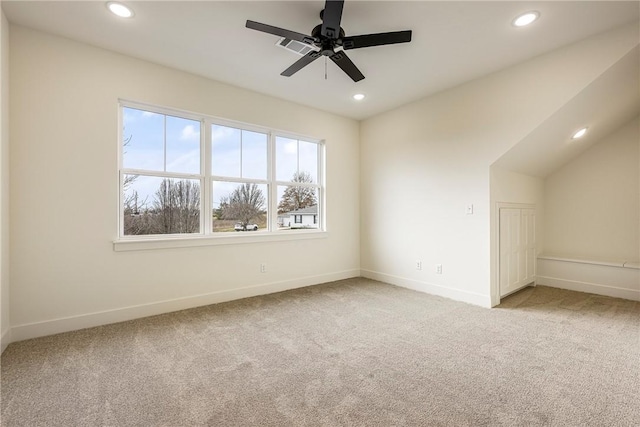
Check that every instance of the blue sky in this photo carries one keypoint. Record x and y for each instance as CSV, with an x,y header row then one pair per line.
x,y
235,153
146,148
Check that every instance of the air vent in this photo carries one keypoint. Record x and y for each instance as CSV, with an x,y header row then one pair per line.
x,y
295,46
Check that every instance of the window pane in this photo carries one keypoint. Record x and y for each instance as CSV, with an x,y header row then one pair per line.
x,y
143,140
286,158
156,205
308,160
239,206
183,145
225,151
254,155
297,207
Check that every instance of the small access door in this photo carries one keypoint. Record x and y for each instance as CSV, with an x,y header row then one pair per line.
x,y
517,249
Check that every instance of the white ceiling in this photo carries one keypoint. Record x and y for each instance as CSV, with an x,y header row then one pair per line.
x,y
453,42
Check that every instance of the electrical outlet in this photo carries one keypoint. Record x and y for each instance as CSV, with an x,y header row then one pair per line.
x,y
418,265
263,267
438,268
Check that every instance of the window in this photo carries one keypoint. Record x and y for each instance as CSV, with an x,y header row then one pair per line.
x,y
239,179
297,166
160,176
191,175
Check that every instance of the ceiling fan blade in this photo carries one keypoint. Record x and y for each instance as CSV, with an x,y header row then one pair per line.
x,y
342,60
331,18
301,63
292,35
368,40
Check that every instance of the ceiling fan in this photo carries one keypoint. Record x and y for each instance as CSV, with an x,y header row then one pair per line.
x,y
328,36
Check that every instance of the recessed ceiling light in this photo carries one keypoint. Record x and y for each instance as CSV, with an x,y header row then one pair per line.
x,y
358,96
120,9
579,134
526,18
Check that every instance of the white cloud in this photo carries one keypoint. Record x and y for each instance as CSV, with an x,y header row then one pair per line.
x,y
148,114
188,162
221,132
190,134
291,147
128,118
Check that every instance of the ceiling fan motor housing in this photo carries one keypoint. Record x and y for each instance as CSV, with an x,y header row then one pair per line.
x,y
326,44
329,35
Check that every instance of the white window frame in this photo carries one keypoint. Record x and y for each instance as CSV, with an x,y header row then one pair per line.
x,y
206,236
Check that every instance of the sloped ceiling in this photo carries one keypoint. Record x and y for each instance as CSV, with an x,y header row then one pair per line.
x,y
609,102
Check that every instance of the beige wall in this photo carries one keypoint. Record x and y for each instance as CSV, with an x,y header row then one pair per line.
x,y
512,187
593,202
423,163
4,183
64,185
405,177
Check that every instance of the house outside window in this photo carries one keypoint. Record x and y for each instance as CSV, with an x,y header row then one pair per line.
x,y
305,218
184,174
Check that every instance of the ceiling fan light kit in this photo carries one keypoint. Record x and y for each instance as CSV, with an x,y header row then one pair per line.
x,y
327,37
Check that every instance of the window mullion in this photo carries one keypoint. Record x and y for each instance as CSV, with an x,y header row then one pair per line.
x,y
272,189
165,141
242,180
121,203
120,174
205,164
159,174
320,152
297,157
297,184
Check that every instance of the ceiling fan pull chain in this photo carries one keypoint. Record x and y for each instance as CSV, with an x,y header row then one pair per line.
x,y
325,68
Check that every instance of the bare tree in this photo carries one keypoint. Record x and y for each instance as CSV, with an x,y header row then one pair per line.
x,y
139,223
136,220
297,197
187,199
127,181
164,207
245,204
177,207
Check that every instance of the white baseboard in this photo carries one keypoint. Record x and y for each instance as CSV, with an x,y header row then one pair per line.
x,y
592,288
5,339
72,323
602,278
429,288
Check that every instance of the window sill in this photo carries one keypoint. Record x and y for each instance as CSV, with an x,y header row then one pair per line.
x,y
140,244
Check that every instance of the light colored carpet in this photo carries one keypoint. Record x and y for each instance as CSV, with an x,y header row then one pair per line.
x,y
350,353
